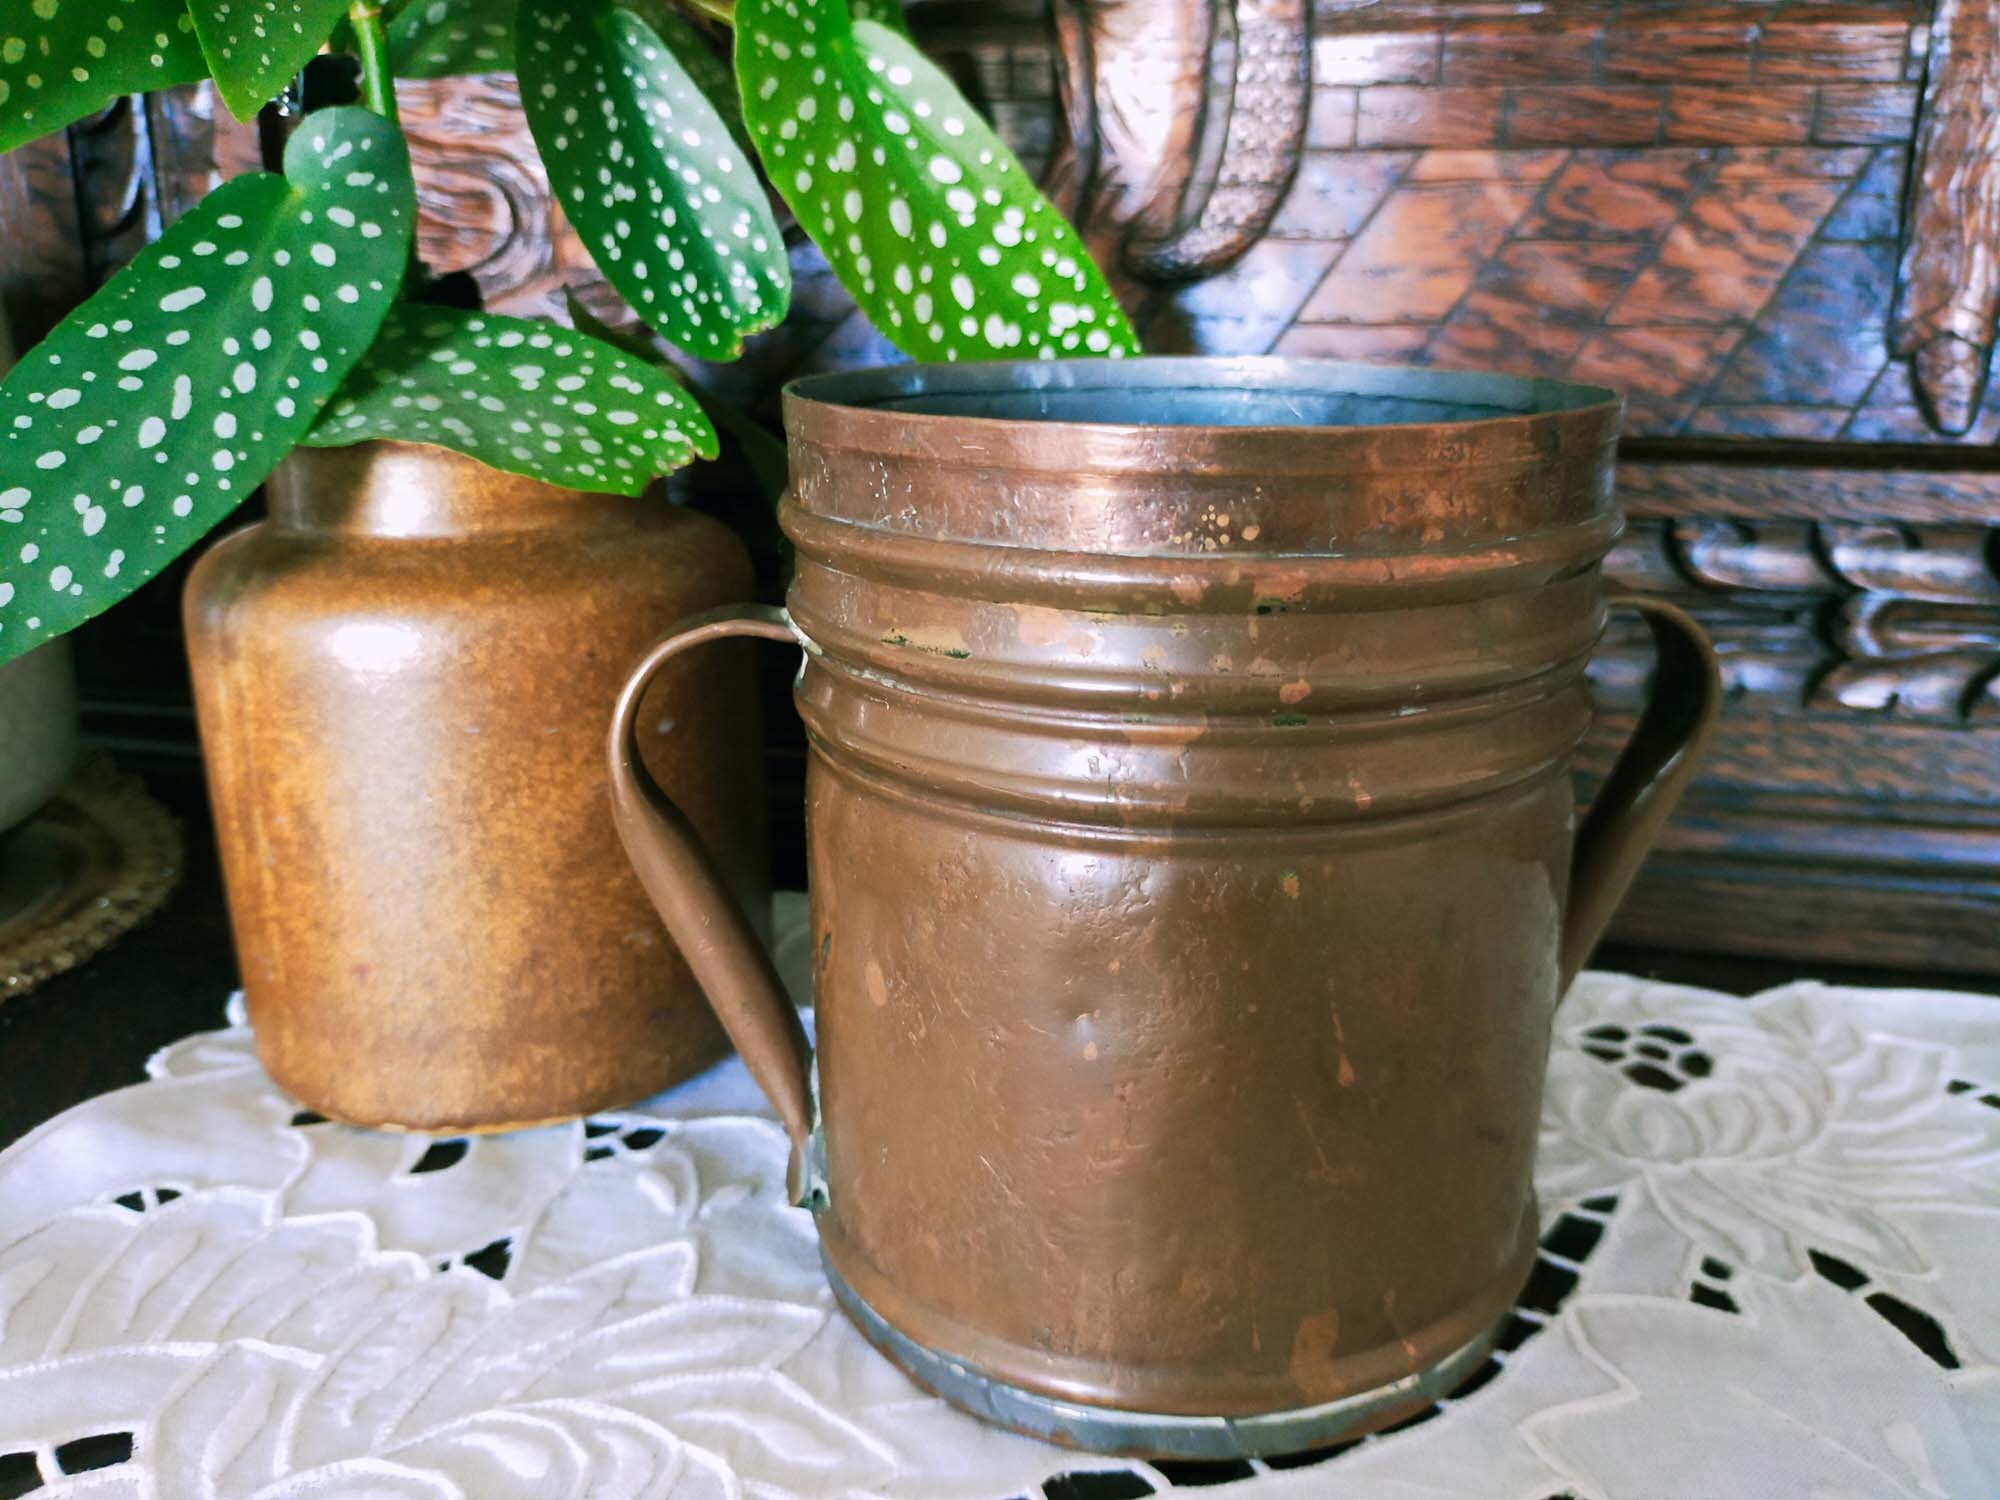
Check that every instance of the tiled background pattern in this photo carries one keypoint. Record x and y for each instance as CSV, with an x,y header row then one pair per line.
x,y
1698,205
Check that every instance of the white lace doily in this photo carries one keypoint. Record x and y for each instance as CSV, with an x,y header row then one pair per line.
x,y
1771,1269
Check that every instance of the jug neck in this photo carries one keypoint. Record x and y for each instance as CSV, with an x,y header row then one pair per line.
x,y
390,490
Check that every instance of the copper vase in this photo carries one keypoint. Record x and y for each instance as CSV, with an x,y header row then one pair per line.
x,y
401,679
1193,872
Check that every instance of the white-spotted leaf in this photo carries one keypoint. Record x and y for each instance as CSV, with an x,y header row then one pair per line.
x,y
444,38
883,12
699,61
528,398
61,60
166,398
925,216
763,451
649,171
255,47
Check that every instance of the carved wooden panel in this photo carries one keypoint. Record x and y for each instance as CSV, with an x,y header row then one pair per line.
x,y
1849,807
1863,619
1951,283
1698,205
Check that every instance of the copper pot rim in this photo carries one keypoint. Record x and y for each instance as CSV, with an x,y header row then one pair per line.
x,y
1525,419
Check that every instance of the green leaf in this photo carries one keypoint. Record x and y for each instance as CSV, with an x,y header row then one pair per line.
x,y
256,47
887,13
927,219
444,38
647,170
763,450
61,60
699,61
627,340
166,398
525,397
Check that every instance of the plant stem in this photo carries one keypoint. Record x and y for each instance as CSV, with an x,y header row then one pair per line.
x,y
378,81
722,12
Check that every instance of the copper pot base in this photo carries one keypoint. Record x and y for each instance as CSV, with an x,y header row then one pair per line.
x,y
1133,1434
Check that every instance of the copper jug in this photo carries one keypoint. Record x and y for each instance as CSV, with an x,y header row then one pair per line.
x,y
1193,872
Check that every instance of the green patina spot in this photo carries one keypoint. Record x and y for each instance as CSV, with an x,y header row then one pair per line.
x,y
959,655
895,640
1287,721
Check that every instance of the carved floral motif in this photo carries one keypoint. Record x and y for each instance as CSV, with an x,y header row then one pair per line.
x,y
1855,617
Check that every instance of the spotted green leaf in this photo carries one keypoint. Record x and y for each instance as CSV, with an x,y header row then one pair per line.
x,y
443,38
167,397
63,59
927,219
763,451
647,169
525,397
254,47
710,73
883,12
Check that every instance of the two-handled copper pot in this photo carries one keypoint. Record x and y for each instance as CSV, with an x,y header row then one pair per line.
x,y
1193,872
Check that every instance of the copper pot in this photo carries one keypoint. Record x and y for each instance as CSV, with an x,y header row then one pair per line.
x,y
1192,872
401,679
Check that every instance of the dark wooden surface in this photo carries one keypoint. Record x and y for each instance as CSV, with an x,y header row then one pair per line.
x,y
92,1029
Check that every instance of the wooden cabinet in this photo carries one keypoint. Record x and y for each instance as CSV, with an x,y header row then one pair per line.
x,y
1775,226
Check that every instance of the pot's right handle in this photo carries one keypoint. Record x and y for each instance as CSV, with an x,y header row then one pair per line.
x,y
701,916
1647,780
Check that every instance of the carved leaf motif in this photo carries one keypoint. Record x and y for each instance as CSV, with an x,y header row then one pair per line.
x,y
158,405
1950,278
61,60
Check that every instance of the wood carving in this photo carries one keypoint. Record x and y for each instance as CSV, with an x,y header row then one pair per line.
x,y
486,202
1251,170
1950,287
1134,81
1870,619
1186,123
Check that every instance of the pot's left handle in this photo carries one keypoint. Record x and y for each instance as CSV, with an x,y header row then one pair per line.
x,y
706,924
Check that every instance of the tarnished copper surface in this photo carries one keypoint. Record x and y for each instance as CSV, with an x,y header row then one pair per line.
x,y
1190,838
401,680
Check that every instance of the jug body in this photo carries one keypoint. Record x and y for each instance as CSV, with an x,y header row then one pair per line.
x,y
400,679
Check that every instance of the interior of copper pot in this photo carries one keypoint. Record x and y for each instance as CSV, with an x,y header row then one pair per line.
x,y
1197,392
